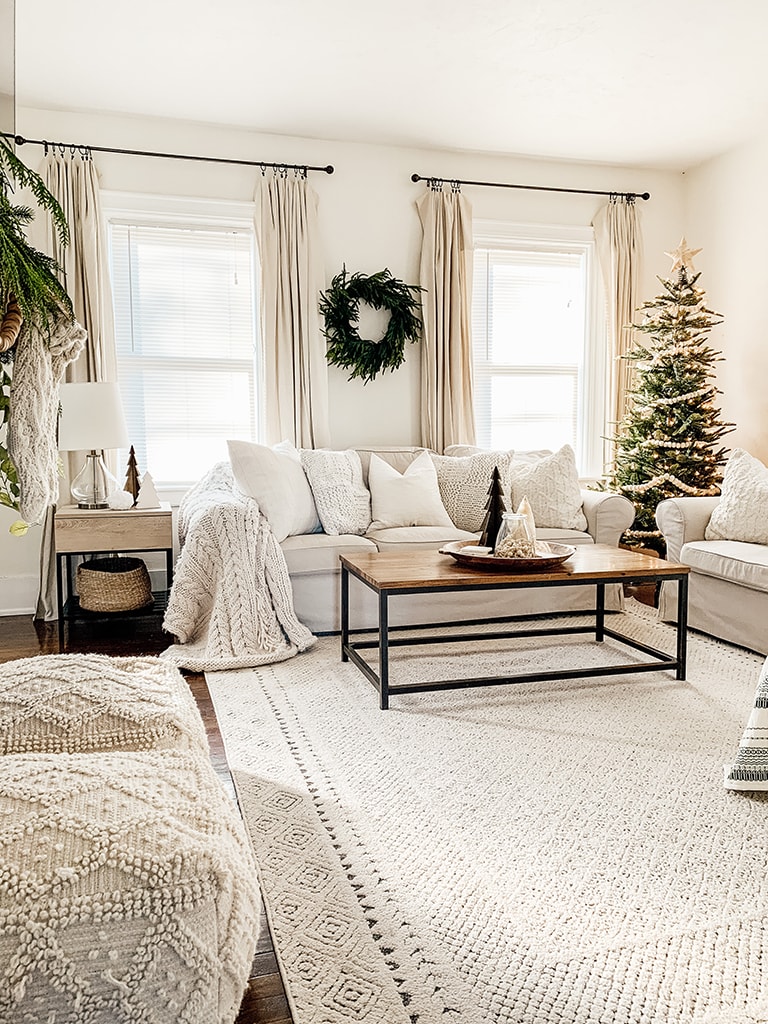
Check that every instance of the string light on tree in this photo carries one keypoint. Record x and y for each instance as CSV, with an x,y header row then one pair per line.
x,y
668,443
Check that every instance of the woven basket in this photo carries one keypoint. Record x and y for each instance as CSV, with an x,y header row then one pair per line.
x,y
113,584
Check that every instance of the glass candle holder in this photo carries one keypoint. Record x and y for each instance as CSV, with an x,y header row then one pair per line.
x,y
514,539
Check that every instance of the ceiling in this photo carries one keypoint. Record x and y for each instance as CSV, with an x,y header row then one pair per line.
x,y
654,83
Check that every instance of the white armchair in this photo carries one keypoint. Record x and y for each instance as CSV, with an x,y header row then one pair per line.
x,y
728,584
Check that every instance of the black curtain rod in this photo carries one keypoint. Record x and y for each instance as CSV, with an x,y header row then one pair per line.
x,y
21,141
533,188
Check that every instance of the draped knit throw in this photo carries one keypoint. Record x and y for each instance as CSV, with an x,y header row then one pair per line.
x,y
231,604
38,369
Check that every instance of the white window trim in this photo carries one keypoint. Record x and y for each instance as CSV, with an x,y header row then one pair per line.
x,y
157,210
512,235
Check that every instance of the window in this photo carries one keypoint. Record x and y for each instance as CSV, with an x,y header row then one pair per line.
x,y
185,331
538,344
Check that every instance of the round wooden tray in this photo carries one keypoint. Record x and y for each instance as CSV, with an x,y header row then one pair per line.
x,y
548,555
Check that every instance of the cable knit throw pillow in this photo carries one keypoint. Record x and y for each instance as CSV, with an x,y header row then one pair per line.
x,y
274,478
551,485
342,499
464,484
411,498
740,513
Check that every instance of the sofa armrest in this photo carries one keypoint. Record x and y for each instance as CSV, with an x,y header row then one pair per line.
x,y
608,515
682,520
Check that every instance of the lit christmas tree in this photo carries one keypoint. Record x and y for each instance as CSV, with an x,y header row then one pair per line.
x,y
667,444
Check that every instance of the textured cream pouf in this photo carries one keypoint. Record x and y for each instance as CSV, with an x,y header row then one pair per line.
x,y
85,702
127,890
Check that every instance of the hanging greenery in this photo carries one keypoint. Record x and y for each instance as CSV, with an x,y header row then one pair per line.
x,y
340,306
29,282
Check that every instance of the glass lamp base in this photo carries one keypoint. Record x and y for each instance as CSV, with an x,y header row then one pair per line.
x,y
94,483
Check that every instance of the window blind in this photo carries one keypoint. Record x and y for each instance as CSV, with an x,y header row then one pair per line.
x,y
528,329
185,331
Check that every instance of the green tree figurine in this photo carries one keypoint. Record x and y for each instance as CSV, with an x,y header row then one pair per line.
x,y
667,444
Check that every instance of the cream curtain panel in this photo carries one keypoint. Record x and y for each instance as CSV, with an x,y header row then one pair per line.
x,y
447,415
296,372
72,179
618,239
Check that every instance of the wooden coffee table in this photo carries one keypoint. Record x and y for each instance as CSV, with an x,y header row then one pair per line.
x,y
390,574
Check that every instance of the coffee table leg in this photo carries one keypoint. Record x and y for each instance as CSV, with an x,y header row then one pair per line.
x,y
600,613
344,612
383,651
682,626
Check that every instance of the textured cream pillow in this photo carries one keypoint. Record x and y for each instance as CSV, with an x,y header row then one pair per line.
x,y
274,478
464,482
741,512
342,499
551,485
411,498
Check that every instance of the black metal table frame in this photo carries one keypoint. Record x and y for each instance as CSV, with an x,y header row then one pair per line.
x,y
64,558
350,649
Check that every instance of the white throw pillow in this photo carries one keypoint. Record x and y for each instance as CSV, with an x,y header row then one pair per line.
x,y
741,512
342,499
464,483
551,485
411,498
274,478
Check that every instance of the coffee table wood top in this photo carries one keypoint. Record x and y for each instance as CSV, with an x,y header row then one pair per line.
x,y
401,570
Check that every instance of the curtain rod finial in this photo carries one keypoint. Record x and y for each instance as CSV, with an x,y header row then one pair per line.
x,y
415,177
645,195
329,169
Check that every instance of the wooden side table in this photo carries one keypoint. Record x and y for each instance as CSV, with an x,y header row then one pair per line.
x,y
80,531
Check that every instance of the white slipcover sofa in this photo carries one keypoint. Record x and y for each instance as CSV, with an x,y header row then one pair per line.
x,y
312,555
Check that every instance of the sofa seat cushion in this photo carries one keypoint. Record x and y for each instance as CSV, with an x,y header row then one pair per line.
x,y
129,889
731,560
81,702
415,537
319,552
560,536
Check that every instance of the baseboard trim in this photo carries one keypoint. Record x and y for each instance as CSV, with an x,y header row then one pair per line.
x,y
19,594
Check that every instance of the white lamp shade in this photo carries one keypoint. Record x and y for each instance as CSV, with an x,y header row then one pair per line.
x,y
91,417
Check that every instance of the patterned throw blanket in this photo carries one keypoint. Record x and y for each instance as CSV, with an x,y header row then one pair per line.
x,y
749,770
231,604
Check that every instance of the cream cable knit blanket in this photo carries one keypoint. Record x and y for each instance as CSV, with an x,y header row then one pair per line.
x,y
231,604
38,369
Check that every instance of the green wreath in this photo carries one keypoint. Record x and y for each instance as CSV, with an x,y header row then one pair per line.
x,y
340,306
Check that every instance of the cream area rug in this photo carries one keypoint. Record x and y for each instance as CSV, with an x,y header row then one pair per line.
x,y
544,853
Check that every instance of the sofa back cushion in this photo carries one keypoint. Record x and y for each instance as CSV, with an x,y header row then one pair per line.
x,y
274,478
411,498
398,456
740,513
342,499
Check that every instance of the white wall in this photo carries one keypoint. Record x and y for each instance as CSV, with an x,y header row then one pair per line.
x,y
368,221
727,217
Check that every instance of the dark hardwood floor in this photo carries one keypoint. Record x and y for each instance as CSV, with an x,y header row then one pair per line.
x,y
139,634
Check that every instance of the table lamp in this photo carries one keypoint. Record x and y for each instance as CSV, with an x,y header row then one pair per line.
x,y
91,420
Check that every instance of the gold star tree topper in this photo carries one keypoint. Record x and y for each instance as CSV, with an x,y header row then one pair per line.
x,y
682,257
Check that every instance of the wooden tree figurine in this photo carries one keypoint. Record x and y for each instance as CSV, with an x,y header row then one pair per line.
x,y
495,510
132,481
